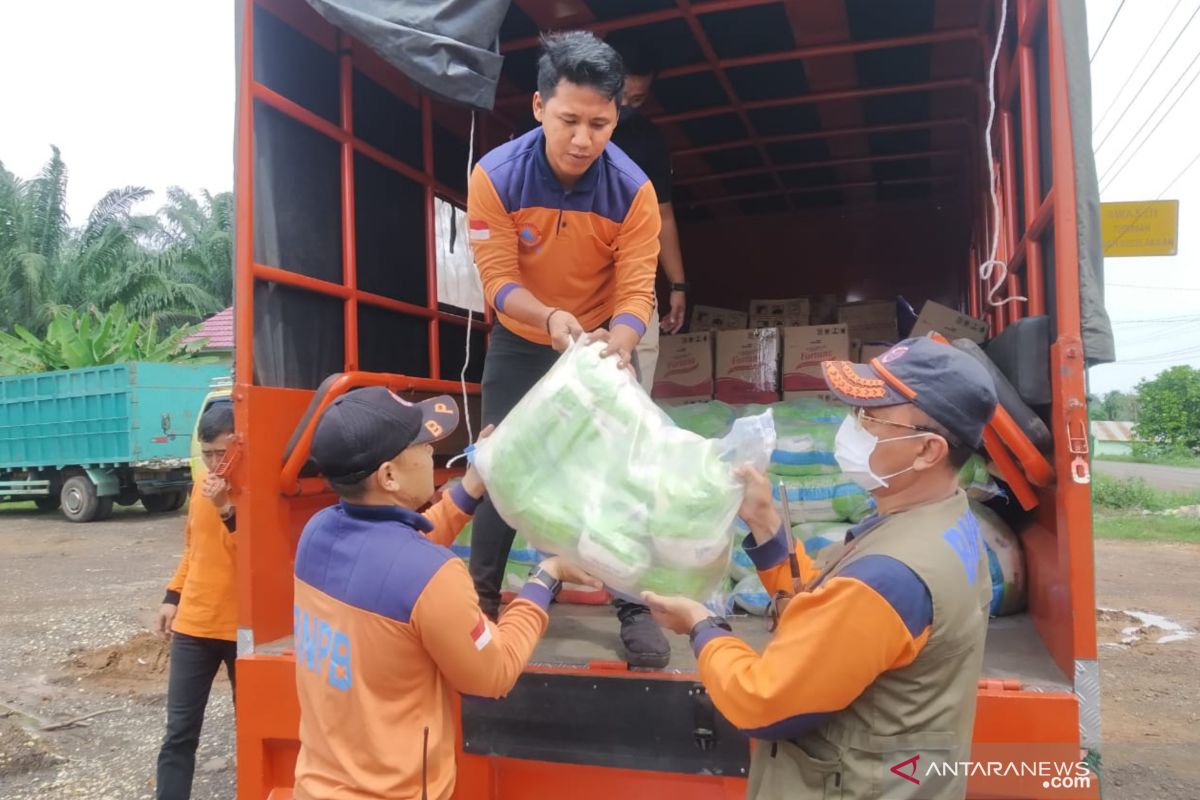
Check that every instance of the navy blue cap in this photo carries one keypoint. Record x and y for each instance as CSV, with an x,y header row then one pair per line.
x,y
954,389
366,427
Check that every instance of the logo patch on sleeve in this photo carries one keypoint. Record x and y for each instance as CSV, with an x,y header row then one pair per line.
x,y
480,230
481,634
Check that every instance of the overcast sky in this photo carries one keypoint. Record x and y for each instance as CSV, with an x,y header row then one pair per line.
x,y
141,92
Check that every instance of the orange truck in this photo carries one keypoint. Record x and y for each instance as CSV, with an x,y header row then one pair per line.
x,y
825,147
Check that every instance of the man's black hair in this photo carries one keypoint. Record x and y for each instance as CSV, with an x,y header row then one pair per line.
x,y
639,59
582,59
216,420
959,453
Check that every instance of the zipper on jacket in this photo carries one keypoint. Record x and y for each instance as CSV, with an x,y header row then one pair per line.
x,y
425,766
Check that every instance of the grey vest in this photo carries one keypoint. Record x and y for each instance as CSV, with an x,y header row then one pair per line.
x,y
926,709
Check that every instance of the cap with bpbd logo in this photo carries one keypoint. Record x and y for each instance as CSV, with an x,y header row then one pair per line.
x,y
950,386
366,427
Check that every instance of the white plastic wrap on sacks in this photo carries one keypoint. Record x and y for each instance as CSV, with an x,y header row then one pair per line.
x,y
586,466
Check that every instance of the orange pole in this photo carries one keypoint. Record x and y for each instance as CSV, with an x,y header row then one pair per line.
x,y
349,254
243,189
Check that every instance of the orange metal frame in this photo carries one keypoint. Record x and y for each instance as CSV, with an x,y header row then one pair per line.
x,y
274,503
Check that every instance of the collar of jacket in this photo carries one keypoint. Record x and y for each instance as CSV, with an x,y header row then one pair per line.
x,y
388,513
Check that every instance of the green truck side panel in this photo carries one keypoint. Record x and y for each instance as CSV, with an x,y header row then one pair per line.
x,y
101,416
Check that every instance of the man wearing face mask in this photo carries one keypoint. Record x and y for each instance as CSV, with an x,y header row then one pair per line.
x,y
879,645
643,142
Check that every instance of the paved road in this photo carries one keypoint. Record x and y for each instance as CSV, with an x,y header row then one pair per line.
x,y
1171,479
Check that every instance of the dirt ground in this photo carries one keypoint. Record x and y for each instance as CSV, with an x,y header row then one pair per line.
x,y
75,602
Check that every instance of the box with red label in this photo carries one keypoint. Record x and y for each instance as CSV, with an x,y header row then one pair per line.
x,y
747,366
950,323
871,321
684,373
709,318
803,351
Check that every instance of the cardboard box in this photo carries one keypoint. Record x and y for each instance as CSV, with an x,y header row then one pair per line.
x,y
822,309
870,351
792,312
950,323
747,366
758,321
709,318
684,373
871,321
803,351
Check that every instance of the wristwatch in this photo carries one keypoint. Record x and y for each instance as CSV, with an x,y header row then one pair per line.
x,y
683,286
708,623
545,579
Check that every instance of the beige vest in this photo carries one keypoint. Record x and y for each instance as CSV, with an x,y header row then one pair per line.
x,y
926,709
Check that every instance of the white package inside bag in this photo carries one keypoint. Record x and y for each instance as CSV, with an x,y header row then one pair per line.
x,y
588,467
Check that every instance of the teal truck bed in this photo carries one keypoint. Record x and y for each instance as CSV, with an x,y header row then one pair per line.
x,y
125,429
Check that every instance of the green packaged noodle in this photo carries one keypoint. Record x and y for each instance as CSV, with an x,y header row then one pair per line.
x,y
711,420
588,467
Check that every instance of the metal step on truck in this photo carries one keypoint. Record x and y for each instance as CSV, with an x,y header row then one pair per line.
x,y
84,440
858,148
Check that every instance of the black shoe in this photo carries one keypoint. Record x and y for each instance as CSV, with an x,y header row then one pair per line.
x,y
645,645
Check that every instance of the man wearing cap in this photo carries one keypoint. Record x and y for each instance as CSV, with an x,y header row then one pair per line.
x,y
387,623
873,670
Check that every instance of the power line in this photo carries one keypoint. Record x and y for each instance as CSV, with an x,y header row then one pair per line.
x,y
1109,181
1159,321
1096,52
1136,67
1141,88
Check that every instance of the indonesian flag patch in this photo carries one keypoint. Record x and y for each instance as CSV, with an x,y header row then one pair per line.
x,y
481,634
480,230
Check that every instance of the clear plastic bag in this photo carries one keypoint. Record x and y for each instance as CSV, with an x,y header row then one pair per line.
x,y
588,467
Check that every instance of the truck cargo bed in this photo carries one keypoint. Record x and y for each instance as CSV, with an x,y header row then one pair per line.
x,y
581,635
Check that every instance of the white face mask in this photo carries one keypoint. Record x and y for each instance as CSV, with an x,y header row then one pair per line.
x,y
853,447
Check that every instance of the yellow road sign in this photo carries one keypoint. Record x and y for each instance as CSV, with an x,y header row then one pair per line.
x,y
1149,228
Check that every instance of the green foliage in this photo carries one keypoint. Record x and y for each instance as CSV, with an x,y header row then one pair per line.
x,y
1116,406
1169,407
1117,494
1156,528
75,340
175,266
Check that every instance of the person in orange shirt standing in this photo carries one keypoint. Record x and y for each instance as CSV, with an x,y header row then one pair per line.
x,y
564,227
199,612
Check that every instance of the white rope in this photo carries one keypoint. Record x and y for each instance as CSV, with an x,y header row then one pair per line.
x,y
994,266
462,376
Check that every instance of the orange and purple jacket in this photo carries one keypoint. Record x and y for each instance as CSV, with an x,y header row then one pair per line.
x,y
204,586
832,642
592,250
387,629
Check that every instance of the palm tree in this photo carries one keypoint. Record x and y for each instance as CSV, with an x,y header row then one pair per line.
x,y
176,267
199,234
33,227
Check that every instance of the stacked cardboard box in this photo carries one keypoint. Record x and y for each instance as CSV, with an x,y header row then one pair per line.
x,y
684,373
710,318
779,313
747,366
804,349
870,321
950,323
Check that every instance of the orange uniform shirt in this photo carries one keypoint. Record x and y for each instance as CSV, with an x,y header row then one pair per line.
x,y
387,629
204,583
592,251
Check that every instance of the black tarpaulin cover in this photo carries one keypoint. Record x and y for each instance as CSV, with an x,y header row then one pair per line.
x,y
444,46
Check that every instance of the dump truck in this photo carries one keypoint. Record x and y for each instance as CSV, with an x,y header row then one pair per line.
x,y
866,150
82,440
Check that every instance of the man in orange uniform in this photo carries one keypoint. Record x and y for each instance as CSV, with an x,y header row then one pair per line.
x,y
564,228
199,613
876,659
387,624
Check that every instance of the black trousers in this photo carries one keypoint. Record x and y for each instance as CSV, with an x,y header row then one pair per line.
x,y
194,665
513,365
